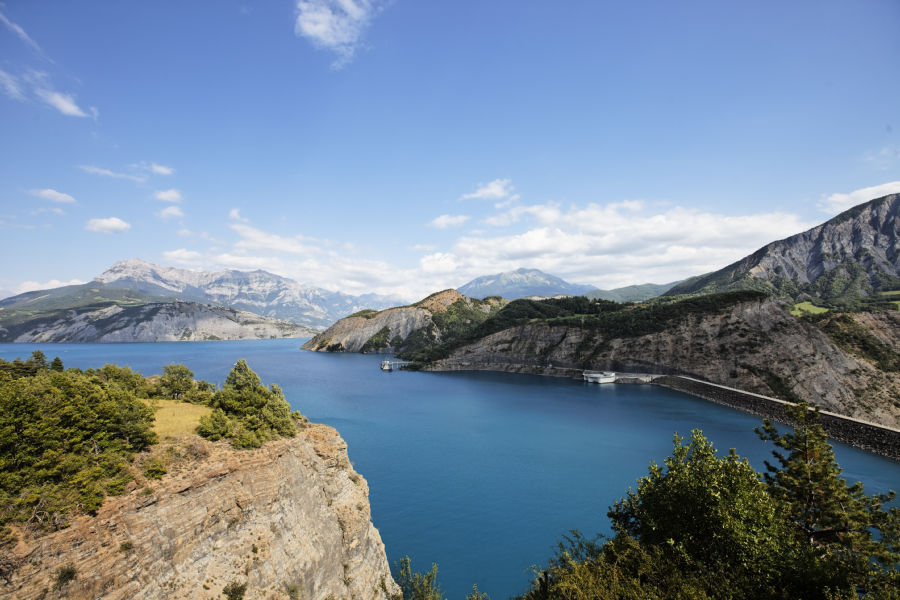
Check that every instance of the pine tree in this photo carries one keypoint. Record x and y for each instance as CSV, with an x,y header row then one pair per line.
x,y
835,519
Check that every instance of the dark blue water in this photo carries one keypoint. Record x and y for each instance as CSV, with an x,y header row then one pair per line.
x,y
479,472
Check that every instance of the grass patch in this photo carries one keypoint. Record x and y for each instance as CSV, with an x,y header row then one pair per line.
x,y
175,418
802,308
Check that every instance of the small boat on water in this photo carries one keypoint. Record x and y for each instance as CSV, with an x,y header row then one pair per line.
x,y
386,365
600,376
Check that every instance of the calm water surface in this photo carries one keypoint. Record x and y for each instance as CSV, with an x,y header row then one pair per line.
x,y
479,472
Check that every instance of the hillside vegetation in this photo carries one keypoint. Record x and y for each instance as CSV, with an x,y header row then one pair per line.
x,y
70,437
613,319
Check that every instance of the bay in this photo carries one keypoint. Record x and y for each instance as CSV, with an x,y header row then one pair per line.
x,y
479,472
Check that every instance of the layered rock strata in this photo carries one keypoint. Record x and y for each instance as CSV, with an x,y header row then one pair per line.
x,y
289,520
753,346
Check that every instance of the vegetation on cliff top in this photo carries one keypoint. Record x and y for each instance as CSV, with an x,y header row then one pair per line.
x,y
246,412
68,437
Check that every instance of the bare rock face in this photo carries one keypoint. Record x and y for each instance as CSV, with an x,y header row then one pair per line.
x,y
351,333
290,519
753,346
160,322
370,331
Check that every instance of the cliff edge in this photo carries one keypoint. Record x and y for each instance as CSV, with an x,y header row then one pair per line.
x,y
288,520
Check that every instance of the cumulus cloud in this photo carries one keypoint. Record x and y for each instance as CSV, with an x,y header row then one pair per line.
x,y
108,225
170,212
171,195
31,286
336,25
497,189
603,244
836,203
53,196
445,221
113,174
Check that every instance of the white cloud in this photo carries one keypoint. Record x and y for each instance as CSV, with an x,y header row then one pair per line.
x,y
445,221
336,25
20,33
182,256
170,212
31,286
108,225
171,195
836,203
107,173
53,196
497,189
253,239
161,169
64,103
11,85
235,215
423,248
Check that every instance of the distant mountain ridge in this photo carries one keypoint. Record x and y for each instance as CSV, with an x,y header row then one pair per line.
x,y
257,291
521,283
632,293
857,253
135,300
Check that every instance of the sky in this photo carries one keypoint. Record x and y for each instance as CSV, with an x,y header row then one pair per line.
x,y
403,147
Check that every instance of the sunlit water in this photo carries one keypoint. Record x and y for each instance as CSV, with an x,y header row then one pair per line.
x,y
479,472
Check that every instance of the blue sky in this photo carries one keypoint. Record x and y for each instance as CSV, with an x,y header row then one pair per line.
x,y
404,147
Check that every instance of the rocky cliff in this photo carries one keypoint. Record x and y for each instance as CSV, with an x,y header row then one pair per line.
x,y
430,321
855,253
289,520
152,322
754,346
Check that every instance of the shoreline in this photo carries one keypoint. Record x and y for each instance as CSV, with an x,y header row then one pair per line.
x,y
871,437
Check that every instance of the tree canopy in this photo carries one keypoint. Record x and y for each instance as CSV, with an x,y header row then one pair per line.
x,y
246,412
704,526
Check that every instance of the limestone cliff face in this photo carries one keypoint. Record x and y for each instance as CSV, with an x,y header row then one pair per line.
x,y
351,333
156,322
753,346
292,515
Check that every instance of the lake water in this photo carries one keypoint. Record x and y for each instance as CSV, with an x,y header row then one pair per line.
x,y
479,472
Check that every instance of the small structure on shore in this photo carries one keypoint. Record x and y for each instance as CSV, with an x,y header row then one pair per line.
x,y
388,365
600,376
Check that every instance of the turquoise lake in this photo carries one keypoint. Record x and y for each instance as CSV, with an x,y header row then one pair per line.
x,y
479,472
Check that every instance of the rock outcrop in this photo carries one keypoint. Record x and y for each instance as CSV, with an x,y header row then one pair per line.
x,y
289,520
753,346
390,330
152,322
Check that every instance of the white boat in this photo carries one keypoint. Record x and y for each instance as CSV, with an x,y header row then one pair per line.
x,y
600,376
386,365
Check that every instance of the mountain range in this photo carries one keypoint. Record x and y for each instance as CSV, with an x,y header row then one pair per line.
x,y
138,301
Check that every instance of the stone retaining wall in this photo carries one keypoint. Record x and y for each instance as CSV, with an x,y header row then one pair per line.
x,y
867,436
